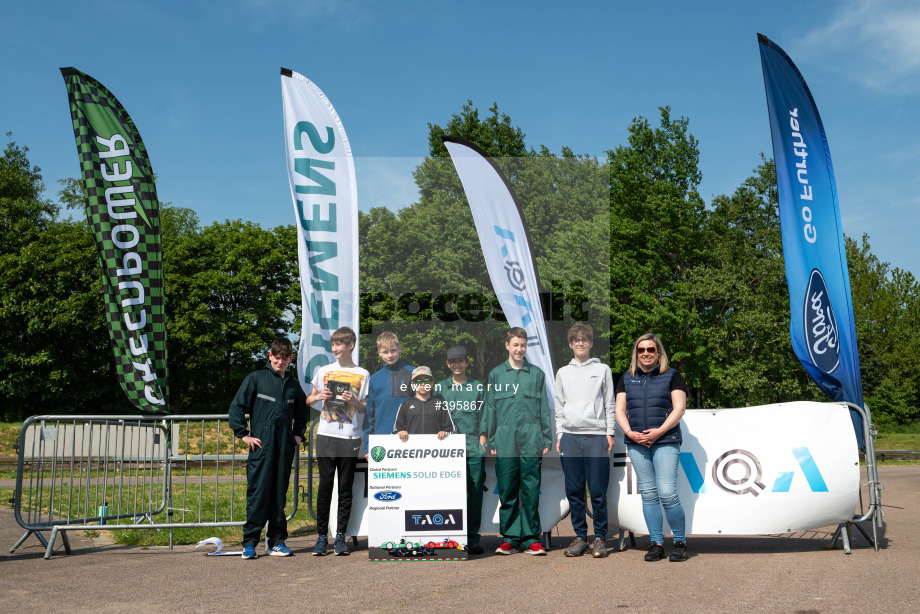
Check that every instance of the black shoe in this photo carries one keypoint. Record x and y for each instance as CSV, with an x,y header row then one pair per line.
x,y
475,549
600,549
655,553
679,554
340,548
320,548
578,548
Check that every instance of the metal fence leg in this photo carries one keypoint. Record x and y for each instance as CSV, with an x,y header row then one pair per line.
x,y
876,526
621,545
546,538
50,549
844,533
866,535
835,536
25,537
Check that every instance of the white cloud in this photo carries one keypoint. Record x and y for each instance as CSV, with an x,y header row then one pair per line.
x,y
876,42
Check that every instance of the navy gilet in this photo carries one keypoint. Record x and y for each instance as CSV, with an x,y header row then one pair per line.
x,y
648,402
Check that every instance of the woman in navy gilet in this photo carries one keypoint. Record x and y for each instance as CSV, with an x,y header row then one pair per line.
x,y
651,399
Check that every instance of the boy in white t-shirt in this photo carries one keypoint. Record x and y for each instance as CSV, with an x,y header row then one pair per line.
x,y
338,392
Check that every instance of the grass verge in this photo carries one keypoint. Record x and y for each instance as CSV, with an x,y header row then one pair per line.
x,y
207,502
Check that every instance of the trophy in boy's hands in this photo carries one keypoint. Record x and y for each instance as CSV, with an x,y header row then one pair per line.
x,y
337,389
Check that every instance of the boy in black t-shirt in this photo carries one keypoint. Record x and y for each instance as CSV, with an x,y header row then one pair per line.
x,y
423,414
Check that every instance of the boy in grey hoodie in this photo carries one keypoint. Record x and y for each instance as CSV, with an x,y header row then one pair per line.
x,y
585,425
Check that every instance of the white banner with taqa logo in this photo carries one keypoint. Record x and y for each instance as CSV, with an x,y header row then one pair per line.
x,y
753,471
322,175
416,497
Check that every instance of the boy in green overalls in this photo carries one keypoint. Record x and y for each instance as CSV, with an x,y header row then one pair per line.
x,y
516,420
464,397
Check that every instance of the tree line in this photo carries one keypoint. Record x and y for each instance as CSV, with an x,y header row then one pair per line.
x,y
624,242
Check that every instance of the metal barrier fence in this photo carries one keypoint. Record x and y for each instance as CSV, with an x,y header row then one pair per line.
x,y
125,472
81,472
873,514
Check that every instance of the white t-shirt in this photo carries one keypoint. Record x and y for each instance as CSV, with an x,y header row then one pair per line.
x,y
334,421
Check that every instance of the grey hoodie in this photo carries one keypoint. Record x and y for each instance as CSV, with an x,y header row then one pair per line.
x,y
585,399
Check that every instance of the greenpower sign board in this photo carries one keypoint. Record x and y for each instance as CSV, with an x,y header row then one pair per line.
x,y
123,211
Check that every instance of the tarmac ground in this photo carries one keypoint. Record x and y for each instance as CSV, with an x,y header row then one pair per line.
x,y
794,573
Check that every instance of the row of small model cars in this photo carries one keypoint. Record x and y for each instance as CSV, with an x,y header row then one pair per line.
x,y
415,549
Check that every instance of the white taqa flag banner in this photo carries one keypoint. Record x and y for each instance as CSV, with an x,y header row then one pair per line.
x,y
322,175
506,246
746,472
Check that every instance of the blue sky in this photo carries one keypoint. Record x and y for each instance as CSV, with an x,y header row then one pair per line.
x,y
200,79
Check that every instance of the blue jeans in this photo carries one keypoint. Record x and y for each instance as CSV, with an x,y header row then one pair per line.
x,y
656,472
585,460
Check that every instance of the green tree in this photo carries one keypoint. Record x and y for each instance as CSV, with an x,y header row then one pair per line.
x,y
656,240
24,214
53,339
742,344
495,135
174,221
431,249
54,352
886,306
228,294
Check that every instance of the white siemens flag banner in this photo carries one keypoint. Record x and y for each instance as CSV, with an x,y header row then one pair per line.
x,y
325,193
506,246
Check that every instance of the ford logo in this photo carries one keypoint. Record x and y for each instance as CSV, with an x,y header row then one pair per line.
x,y
387,495
820,325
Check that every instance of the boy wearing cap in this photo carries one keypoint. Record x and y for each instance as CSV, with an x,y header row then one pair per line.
x,y
464,397
423,414
516,420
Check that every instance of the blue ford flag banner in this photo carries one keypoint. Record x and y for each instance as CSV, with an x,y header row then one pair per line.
x,y
821,324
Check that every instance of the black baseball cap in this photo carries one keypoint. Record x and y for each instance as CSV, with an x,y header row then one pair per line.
x,y
458,351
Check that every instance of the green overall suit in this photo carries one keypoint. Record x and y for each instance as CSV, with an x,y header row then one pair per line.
x,y
278,410
464,401
516,420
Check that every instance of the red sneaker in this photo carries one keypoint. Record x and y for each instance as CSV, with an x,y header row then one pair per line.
x,y
505,548
536,549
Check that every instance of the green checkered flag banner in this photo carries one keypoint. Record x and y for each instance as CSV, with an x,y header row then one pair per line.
x,y
123,210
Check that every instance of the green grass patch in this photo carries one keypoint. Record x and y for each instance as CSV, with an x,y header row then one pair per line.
x,y
6,494
206,437
9,436
913,427
898,441
301,524
191,503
